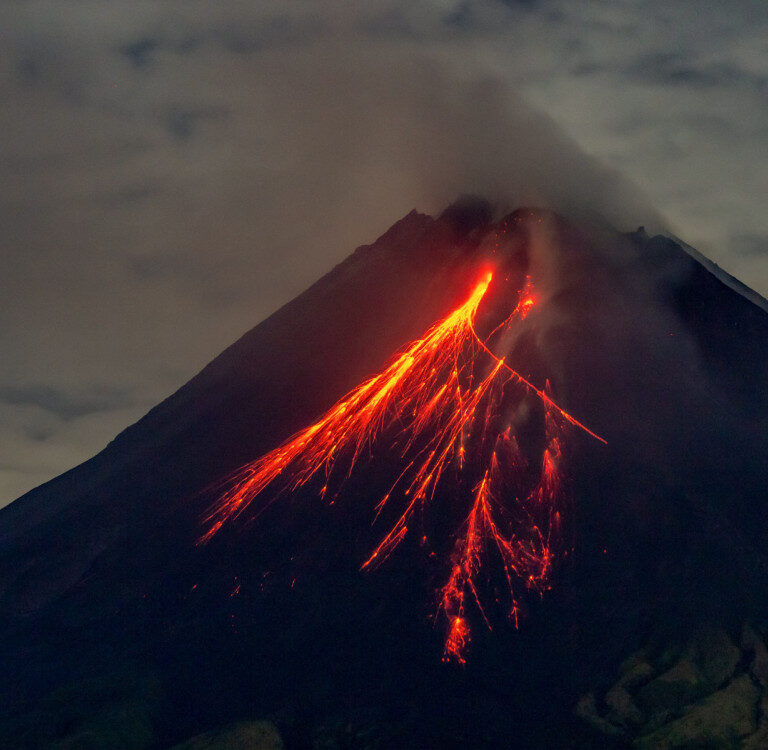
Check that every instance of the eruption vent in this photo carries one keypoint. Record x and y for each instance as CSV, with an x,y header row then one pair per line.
x,y
451,407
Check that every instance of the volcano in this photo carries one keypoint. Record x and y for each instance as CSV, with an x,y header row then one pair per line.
x,y
450,496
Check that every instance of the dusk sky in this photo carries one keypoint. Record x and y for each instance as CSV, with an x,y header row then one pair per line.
x,y
172,172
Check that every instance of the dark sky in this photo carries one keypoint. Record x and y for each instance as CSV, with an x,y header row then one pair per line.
x,y
173,171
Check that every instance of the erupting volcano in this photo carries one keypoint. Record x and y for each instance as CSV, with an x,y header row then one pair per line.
x,y
525,445
446,401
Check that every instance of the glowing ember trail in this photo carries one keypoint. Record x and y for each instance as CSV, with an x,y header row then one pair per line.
x,y
445,391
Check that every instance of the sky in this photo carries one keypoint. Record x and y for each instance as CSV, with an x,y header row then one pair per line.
x,y
174,171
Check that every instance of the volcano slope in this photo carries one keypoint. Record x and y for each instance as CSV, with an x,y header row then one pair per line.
x,y
639,386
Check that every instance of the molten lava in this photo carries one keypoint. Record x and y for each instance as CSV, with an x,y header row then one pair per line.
x,y
445,393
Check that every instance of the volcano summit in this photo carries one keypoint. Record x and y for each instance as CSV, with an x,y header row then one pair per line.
x,y
435,501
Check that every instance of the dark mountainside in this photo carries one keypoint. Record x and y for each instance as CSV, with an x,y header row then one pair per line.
x,y
117,630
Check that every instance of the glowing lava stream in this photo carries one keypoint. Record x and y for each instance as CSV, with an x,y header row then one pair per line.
x,y
432,393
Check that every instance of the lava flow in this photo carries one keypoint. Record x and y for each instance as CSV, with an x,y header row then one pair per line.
x,y
445,393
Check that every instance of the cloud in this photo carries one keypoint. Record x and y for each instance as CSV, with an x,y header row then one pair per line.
x,y
750,245
65,405
38,445
140,53
671,94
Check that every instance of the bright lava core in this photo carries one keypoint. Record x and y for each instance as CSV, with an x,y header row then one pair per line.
x,y
452,402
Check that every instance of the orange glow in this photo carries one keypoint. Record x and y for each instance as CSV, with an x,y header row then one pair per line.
x,y
527,300
442,393
457,641
406,385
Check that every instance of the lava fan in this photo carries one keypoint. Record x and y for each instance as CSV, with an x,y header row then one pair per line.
x,y
453,411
